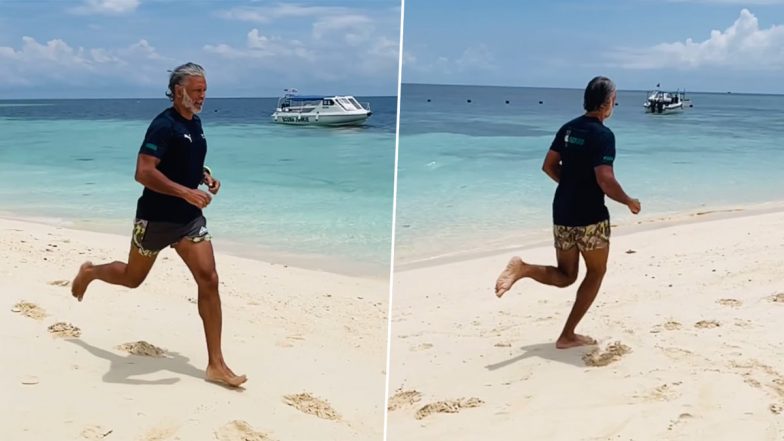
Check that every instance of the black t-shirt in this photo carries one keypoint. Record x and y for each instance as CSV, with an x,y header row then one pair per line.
x,y
181,146
584,143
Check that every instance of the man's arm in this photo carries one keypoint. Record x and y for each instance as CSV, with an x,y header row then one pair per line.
x,y
148,175
605,177
552,165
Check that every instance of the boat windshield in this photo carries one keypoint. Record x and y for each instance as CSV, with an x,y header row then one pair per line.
x,y
348,104
301,102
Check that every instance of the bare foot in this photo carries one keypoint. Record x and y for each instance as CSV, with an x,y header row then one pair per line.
x,y
513,272
80,282
224,375
574,341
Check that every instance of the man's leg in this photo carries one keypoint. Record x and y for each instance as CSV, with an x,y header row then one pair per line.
x,y
130,274
561,276
596,265
201,261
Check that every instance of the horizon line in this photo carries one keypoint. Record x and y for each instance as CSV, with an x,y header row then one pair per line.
x,y
730,92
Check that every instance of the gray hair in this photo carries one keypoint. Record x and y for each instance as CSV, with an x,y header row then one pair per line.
x,y
597,93
180,73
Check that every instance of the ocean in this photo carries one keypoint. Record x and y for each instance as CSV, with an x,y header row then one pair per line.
x,y
470,179
314,197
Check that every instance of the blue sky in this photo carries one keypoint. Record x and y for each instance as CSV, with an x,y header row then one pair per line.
x,y
123,48
700,45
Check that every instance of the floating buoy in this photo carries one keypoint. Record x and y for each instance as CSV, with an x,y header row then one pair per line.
x,y
428,100
468,101
541,102
507,101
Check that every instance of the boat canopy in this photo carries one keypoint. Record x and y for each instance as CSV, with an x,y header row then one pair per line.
x,y
306,97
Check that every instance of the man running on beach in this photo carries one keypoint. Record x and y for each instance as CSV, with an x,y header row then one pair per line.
x,y
170,166
580,160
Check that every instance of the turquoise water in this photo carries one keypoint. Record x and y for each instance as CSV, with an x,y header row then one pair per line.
x,y
308,196
470,179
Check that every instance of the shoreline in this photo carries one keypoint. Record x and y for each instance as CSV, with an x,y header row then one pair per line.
x,y
311,262
542,237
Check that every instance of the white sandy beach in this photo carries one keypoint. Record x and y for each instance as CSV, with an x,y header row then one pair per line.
x,y
698,304
290,330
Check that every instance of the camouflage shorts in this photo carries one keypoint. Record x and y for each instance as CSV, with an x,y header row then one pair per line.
x,y
586,238
149,238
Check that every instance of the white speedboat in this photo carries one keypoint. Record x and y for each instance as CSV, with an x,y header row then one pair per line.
x,y
320,110
666,102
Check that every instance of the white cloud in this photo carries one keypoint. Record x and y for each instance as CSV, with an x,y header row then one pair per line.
x,y
478,58
741,46
344,44
265,14
382,58
58,52
55,60
261,46
354,29
144,50
106,7
55,51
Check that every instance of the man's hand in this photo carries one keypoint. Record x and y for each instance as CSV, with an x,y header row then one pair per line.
x,y
212,183
634,205
197,198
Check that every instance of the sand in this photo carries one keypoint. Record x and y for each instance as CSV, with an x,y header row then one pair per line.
x,y
689,330
129,364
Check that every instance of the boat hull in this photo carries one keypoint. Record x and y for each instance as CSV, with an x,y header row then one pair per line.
x,y
317,119
664,108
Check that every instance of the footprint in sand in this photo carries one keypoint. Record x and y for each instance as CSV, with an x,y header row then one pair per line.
x,y
676,353
60,282
160,433
63,329
775,379
669,325
734,303
665,392
777,298
681,418
448,406
404,398
95,432
307,403
420,347
240,430
142,348
289,341
28,309
612,353
707,324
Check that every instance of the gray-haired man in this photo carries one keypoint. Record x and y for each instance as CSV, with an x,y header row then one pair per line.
x,y
170,166
580,161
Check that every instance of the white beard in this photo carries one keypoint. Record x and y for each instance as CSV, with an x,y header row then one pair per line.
x,y
188,103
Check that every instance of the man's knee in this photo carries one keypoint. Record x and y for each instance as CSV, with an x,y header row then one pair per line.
x,y
597,271
569,277
135,280
207,279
